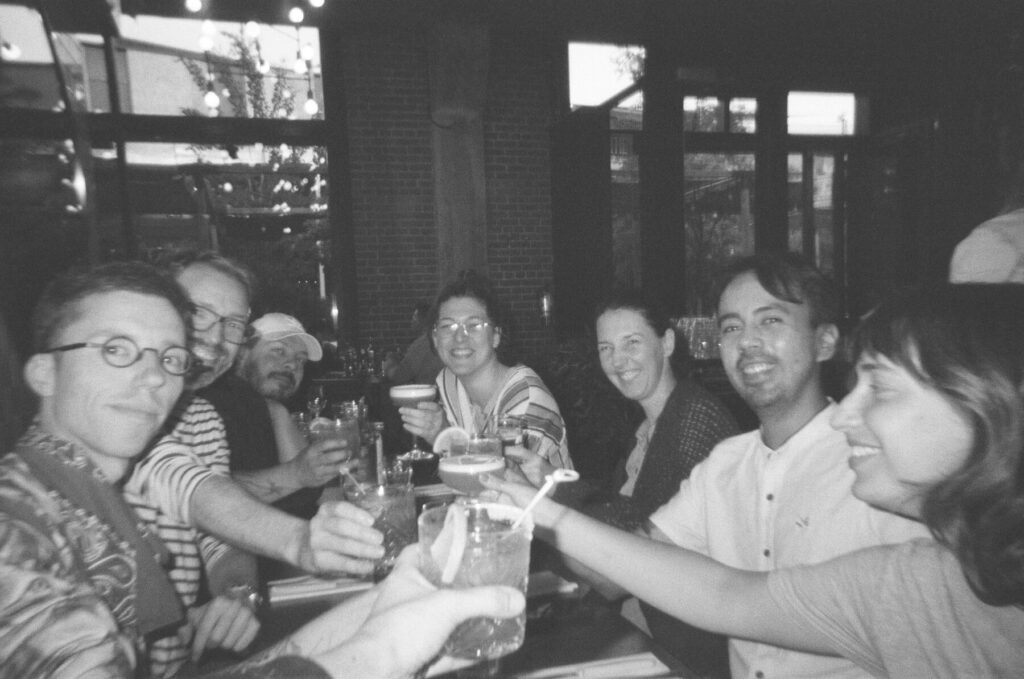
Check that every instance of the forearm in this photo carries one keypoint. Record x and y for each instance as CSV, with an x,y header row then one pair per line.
x,y
687,585
270,485
223,508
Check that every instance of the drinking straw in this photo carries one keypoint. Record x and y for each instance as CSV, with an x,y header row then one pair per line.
x,y
555,477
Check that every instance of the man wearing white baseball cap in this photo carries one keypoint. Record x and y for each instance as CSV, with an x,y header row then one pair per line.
x,y
274,359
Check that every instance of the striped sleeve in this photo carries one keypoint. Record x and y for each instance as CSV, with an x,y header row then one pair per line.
x,y
167,477
527,395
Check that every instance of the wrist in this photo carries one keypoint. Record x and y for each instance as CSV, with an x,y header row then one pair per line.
x,y
247,593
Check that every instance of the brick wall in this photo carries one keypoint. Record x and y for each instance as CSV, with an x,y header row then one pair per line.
x,y
386,84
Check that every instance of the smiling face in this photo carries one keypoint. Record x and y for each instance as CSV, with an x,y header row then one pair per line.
x,y
112,413
905,435
633,356
770,350
465,353
226,297
274,367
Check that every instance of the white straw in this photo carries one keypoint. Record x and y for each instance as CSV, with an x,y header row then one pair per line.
x,y
557,476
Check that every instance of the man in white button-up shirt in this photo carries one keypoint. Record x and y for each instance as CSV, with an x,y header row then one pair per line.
x,y
780,495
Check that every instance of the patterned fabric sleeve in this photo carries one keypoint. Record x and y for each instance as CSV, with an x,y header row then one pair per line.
x,y
52,623
526,394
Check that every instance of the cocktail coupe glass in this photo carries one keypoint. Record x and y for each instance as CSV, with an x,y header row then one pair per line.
x,y
410,396
461,469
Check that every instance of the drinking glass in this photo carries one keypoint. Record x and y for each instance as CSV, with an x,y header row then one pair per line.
x,y
482,455
511,429
391,501
493,553
341,428
316,400
411,395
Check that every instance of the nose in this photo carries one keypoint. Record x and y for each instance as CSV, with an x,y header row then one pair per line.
x,y
151,372
750,336
847,415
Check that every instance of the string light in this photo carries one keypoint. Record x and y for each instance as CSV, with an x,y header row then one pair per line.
x,y
194,6
251,30
211,98
316,3
296,15
310,107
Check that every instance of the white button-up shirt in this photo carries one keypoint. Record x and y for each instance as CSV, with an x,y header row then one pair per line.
x,y
759,509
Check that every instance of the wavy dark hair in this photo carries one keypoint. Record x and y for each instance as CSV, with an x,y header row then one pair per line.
x,y
656,316
787,276
967,342
469,283
58,305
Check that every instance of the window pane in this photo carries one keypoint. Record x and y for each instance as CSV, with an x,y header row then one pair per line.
x,y
268,209
625,172
719,219
812,231
821,113
28,78
743,115
598,71
703,114
191,67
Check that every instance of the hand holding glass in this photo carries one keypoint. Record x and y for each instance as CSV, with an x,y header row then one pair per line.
x,y
466,544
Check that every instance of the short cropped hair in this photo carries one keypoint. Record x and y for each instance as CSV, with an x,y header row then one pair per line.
x,y
177,260
787,276
967,343
58,306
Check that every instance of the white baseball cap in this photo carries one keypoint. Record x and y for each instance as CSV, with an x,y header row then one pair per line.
x,y
275,326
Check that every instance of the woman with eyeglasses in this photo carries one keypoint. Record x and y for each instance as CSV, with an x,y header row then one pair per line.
x,y
936,426
479,382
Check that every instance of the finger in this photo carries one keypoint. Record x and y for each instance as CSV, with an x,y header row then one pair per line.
x,y
346,511
204,627
241,630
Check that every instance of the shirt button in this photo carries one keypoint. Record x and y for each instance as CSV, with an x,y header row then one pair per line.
x,y
767,552
770,497
759,674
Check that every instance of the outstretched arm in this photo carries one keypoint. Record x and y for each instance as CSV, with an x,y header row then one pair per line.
x,y
687,585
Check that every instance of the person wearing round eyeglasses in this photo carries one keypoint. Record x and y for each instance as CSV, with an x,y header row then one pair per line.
x,y
480,382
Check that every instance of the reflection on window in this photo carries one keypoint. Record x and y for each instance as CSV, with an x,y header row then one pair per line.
x,y
811,209
829,113
719,221
625,196
717,114
743,115
703,114
270,213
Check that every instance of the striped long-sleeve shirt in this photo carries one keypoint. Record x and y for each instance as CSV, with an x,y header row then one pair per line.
x,y
160,490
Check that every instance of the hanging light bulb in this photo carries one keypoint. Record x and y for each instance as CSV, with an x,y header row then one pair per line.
x,y
306,52
296,15
211,99
251,30
205,43
316,3
310,107
194,6
263,66
300,64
